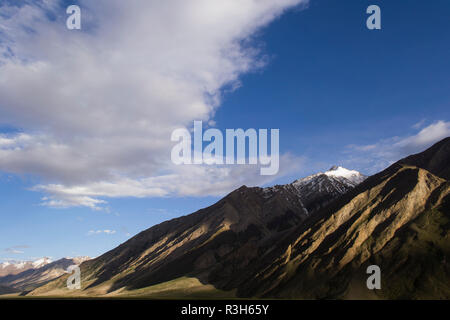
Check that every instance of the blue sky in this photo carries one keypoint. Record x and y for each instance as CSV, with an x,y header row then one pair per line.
x,y
338,92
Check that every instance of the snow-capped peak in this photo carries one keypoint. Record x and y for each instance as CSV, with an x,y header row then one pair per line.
x,y
340,172
25,265
41,262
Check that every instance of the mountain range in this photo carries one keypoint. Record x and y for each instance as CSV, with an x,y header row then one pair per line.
x,y
12,267
27,275
310,239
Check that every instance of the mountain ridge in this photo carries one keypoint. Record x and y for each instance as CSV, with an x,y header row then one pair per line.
x,y
352,228
215,242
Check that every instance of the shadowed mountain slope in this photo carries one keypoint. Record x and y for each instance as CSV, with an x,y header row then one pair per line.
x,y
7,290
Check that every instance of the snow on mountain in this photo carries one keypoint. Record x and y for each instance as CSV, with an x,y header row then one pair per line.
x,y
41,262
351,175
318,189
332,179
15,267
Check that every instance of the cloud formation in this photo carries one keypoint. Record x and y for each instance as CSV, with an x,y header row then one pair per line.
x,y
109,232
96,107
378,156
17,249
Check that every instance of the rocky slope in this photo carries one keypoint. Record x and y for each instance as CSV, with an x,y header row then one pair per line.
x,y
398,219
7,290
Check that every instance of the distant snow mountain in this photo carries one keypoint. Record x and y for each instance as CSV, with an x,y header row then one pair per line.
x,y
27,275
13,267
41,262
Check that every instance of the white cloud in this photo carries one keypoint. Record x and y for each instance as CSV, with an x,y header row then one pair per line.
x,y
13,141
16,249
188,180
419,124
109,232
97,106
375,157
426,137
